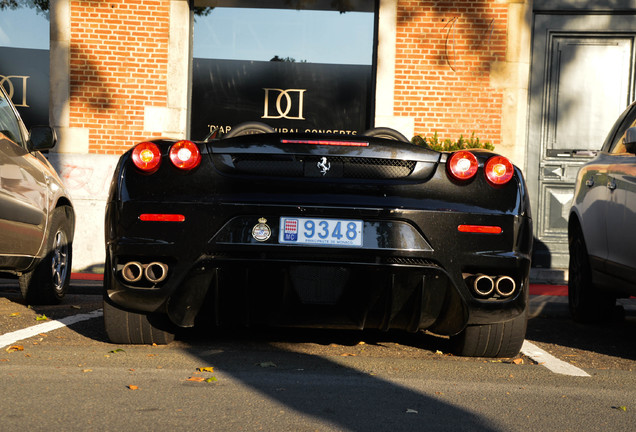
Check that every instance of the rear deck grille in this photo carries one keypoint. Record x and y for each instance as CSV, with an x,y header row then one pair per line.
x,y
294,166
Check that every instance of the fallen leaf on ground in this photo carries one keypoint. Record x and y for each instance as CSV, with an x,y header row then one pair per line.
x,y
87,370
115,351
133,387
15,314
75,307
205,369
196,379
41,318
347,355
267,364
620,408
518,361
14,348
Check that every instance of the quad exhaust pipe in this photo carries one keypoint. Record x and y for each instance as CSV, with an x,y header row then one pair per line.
x,y
485,286
505,286
132,272
154,272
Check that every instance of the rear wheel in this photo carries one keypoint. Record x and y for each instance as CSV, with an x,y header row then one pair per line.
x,y
587,303
125,327
48,282
249,128
491,340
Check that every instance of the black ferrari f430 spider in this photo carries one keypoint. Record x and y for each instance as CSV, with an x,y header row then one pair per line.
x,y
335,231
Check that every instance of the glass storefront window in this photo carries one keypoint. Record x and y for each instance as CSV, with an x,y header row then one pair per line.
x,y
24,57
298,65
302,35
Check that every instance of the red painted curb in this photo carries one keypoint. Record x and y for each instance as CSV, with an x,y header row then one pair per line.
x,y
548,290
87,276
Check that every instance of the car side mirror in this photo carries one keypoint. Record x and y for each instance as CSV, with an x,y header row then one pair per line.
x,y
41,138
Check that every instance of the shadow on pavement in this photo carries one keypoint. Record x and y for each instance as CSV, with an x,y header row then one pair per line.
x,y
550,323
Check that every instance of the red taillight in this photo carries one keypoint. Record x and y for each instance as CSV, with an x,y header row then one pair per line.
x,y
480,229
462,165
147,157
326,142
499,170
161,217
185,155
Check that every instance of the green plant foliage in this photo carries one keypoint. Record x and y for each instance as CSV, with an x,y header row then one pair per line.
x,y
437,144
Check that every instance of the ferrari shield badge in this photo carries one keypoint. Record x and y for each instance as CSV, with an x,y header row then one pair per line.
x,y
261,231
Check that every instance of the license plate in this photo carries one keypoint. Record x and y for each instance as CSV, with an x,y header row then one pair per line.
x,y
321,232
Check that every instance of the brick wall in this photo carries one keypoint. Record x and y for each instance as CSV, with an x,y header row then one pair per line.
x,y
443,57
118,65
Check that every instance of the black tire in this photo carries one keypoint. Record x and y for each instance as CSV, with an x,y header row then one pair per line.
x,y
586,302
126,327
48,282
249,128
502,340
386,133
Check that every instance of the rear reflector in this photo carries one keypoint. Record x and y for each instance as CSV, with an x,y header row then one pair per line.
x,y
326,142
479,229
153,217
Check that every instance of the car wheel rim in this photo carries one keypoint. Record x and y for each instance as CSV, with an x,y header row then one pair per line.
x,y
59,262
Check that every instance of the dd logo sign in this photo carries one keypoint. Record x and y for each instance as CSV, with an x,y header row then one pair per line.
x,y
283,104
11,83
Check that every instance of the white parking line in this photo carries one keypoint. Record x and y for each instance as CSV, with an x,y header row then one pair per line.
x,y
549,361
13,337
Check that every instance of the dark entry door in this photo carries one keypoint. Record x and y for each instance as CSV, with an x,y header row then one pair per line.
x,y
582,79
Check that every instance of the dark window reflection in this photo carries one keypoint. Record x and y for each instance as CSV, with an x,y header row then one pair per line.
x,y
297,65
24,57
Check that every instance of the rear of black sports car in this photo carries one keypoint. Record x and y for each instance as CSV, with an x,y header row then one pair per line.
x,y
318,230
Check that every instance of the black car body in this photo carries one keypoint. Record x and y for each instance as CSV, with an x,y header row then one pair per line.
x,y
36,215
266,228
602,225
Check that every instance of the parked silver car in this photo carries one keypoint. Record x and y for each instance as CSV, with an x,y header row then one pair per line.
x,y
37,220
602,226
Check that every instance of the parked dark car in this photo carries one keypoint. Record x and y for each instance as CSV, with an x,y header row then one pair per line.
x,y
602,226
36,215
335,231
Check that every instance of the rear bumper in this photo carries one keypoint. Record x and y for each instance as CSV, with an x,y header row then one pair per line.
x,y
412,273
